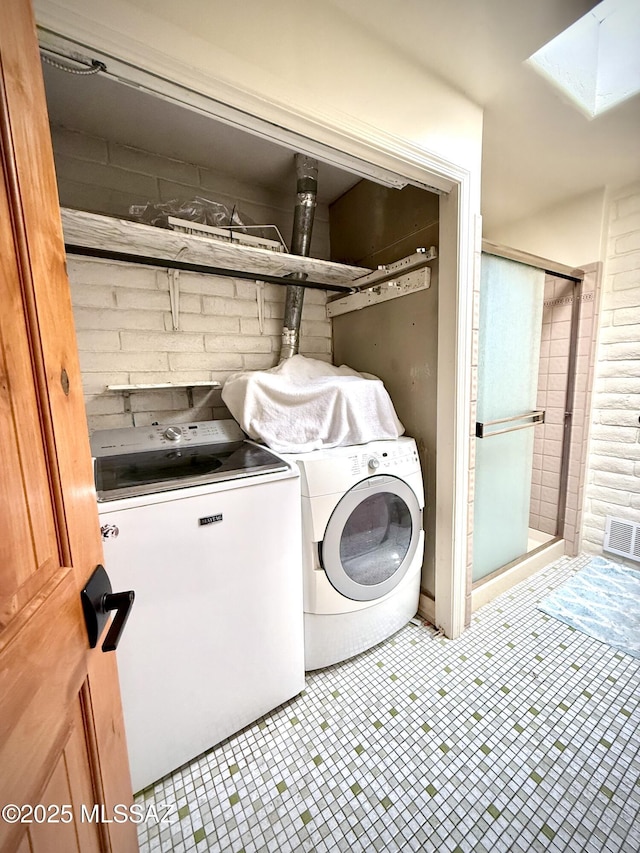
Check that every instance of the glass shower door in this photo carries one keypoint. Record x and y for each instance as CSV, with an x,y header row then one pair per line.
x,y
511,302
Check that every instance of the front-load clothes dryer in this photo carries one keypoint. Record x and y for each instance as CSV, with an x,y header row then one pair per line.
x,y
363,545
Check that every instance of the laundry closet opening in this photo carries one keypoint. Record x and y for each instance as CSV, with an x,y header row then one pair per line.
x,y
120,151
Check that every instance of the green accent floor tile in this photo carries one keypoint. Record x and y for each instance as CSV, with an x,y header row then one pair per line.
x,y
425,727
504,689
519,728
444,747
393,677
559,745
442,691
546,829
294,721
414,696
233,768
604,742
477,715
377,724
563,707
493,811
183,812
393,712
359,749
431,790
335,694
306,817
356,788
234,799
199,835
606,791
534,711
324,725
281,787
386,802
537,778
317,760
486,749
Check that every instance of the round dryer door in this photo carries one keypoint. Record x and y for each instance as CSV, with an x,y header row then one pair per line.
x,y
371,538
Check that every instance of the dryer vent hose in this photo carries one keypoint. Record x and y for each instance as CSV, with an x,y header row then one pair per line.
x,y
307,191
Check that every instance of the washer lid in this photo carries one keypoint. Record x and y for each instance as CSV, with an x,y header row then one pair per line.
x,y
131,474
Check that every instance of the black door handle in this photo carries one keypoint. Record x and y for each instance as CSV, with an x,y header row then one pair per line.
x,y
97,602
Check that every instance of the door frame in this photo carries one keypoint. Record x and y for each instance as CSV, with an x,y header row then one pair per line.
x,y
345,141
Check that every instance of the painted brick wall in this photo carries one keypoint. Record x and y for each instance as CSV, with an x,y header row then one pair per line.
x,y
613,483
125,336
102,176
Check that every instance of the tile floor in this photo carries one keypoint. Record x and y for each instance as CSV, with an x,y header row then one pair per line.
x,y
522,735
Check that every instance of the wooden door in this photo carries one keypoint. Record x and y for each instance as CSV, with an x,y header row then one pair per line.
x,y
62,742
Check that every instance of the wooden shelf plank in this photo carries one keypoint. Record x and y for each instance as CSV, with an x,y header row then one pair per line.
x,y
120,235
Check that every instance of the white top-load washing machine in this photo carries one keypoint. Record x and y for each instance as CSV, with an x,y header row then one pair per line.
x,y
205,528
363,545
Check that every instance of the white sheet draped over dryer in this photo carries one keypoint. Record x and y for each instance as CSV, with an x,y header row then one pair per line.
x,y
305,404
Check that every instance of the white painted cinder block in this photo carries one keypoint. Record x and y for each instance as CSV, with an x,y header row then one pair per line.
x,y
614,460
126,336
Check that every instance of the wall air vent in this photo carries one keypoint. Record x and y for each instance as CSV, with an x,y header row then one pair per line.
x,y
623,538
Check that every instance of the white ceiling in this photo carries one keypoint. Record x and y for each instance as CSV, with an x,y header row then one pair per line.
x,y
538,149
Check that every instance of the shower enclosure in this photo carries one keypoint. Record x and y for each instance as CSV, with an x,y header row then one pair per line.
x,y
526,369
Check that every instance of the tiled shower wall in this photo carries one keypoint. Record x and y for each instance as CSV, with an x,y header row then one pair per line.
x,y
552,388
125,336
552,397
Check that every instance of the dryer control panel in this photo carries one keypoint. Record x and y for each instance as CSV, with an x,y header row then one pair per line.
x,y
339,468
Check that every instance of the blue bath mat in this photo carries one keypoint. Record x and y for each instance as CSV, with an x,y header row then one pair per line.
x,y
603,601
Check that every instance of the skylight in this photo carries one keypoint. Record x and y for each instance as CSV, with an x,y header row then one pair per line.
x,y
596,61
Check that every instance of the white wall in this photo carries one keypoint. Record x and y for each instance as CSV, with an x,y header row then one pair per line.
x,y
570,233
613,486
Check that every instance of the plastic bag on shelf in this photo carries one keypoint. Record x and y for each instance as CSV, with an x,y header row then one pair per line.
x,y
197,209
237,227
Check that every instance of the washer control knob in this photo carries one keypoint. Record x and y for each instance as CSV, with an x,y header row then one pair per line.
x,y
173,433
373,463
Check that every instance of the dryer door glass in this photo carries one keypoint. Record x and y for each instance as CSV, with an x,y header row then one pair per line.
x,y
376,538
371,538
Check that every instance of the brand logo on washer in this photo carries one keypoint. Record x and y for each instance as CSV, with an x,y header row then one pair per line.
x,y
210,519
